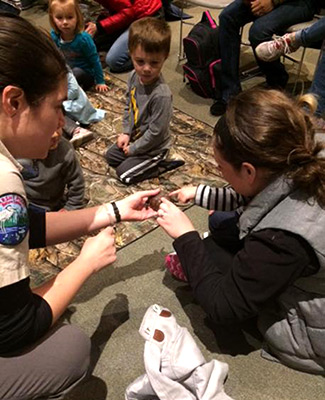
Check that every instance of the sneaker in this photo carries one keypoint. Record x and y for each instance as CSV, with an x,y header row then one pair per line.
x,y
281,45
174,266
218,108
81,136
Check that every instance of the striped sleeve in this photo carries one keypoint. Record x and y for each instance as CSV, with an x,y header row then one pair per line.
x,y
220,199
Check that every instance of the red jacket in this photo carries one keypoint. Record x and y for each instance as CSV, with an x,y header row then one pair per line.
x,y
124,12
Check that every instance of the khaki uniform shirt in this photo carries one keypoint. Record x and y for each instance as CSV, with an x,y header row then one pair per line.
x,y
14,224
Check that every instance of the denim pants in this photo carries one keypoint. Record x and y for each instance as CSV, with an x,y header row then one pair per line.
x,y
118,58
238,14
314,37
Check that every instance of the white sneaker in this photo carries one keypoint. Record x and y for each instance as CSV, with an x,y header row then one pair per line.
x,y
81,136
281,45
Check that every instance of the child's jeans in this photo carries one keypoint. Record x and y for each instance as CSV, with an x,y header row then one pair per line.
x,y
223,226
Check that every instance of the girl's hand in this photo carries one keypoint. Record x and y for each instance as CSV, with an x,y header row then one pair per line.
x,y
122,140
102,87
91,28
99,251
173,220
135,206
184,194
126,150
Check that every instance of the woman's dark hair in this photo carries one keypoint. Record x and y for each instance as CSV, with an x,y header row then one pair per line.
x,y
29,58
272,131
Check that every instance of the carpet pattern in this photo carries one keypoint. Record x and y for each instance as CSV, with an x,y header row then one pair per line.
x,y
191,143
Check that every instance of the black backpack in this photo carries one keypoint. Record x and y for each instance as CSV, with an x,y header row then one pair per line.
x,y
203,66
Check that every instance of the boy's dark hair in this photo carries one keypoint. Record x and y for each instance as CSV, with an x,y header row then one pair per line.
x,y
29,58
152,34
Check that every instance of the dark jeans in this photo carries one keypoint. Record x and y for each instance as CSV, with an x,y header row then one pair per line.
x,y
224,229
85,80
235,16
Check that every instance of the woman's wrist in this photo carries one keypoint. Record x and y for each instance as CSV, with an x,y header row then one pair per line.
x,y
109,212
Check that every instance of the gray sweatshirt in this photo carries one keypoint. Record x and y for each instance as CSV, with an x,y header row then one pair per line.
x,y
56,182
147,116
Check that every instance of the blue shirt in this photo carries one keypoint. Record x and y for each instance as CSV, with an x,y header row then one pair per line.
x,y
81,52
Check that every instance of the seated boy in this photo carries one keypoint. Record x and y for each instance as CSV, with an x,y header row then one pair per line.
x,y
142,147
57,182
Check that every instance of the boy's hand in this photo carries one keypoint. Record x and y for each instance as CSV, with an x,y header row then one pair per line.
x,y
122,140
102,87
126,150
184,194
91,28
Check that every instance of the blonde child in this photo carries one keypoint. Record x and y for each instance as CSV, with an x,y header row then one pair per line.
x,y
144,144
76,45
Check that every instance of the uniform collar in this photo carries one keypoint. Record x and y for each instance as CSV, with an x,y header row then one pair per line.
x,y
5,152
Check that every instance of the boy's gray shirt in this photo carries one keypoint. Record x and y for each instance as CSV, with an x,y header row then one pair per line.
x,y
58,173
147,116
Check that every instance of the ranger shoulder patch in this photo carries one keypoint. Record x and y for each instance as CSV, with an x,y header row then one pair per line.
x,y
14,223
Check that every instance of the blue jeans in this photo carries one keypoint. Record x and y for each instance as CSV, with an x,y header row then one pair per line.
x,y
118,58
314,37
238,14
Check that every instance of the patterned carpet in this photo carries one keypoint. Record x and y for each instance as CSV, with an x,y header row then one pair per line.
x,y
191,143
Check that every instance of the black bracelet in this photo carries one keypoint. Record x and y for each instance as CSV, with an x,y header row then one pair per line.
x,y
116,212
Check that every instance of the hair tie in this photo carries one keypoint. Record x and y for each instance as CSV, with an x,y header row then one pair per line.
x,y
299,163
289,156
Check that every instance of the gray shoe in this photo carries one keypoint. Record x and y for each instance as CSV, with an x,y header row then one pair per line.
x,y
81,136
279,46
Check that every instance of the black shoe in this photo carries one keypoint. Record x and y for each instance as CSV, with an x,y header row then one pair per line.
x,y
169,165
218,108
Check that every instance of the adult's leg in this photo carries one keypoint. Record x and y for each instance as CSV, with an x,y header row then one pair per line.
x,y
231,19
318,86
85,80
312,36
277,22
118,58
49,369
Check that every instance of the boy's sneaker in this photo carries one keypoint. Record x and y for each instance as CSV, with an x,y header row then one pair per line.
x,y
174,266
81,136
281,45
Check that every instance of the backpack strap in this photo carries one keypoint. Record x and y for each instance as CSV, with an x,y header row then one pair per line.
x,y
207,18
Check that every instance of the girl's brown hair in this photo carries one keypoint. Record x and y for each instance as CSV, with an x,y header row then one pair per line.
x,y
272,131
64,3
29,58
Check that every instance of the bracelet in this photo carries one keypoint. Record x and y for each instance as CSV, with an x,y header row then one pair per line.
x,y
116,212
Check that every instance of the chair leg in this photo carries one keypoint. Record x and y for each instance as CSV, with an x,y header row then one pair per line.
x,y
299,70
180,48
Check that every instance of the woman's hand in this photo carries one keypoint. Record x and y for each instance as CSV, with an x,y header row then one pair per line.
x,y
173,220
99,251
184,194
135,206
